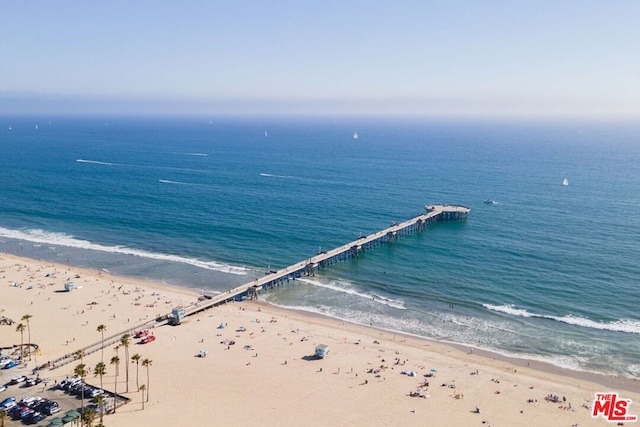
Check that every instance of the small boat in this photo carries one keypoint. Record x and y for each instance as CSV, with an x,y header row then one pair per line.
x,y
141,334
355,135
565,182
148,339
265,133
490,202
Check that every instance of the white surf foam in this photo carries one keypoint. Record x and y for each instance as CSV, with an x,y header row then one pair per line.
x,y
622,325
61,239
345,287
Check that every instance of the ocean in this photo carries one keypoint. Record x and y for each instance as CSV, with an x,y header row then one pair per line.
x,y
547,272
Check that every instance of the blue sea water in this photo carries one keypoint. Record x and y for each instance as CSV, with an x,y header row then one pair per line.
x,y
548,272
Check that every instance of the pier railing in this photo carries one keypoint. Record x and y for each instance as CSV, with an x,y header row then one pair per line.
x,y
434,213
307,267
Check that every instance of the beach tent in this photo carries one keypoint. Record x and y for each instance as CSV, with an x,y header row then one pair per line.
x,y
69,286
221,326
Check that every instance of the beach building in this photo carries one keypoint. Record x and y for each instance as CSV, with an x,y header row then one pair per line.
x,y
322,350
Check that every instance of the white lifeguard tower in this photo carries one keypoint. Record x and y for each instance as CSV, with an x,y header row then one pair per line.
x,y
176,316
322,350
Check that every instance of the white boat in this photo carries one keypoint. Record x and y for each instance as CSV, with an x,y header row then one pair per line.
x,y
265,133
565,182
355,135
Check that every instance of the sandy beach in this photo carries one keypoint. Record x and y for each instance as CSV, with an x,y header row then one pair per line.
x,y
259,367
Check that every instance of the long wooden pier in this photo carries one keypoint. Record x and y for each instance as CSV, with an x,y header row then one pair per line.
x,y
434,213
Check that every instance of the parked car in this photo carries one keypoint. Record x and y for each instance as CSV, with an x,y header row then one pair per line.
x,y
32,381
11,364
35,418
94,407
7,406
25,413
95,392
20,379
50,408
2,388
28,400
8,400
19,411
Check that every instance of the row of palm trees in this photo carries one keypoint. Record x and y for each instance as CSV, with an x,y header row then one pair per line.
x,y
100,370
125,341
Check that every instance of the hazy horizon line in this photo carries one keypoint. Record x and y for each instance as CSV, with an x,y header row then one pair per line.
x,y
19,103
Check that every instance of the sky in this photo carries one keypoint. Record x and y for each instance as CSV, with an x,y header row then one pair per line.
x,y
448,57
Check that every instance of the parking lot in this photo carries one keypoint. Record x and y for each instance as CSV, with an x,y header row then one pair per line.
x,y
47,389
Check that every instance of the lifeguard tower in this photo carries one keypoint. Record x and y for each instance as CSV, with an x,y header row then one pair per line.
x,y
176,316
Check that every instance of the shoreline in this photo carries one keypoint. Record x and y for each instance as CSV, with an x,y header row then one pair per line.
x,y
606,380
267,351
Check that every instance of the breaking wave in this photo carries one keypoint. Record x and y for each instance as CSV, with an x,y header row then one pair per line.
x,y
628,326
61,239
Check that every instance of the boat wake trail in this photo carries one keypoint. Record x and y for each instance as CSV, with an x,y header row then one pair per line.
x,y
96,162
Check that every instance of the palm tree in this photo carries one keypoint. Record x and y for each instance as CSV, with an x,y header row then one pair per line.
x,y
79,355
136,358
101,329
88,416
115,360
81,371
100,402
147,363
101,370
26,318
124,341
20,328
142,389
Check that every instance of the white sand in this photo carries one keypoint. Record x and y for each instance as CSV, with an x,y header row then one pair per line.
x,y
274,382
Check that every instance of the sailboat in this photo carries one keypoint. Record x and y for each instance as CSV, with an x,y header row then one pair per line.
x,y
355,135
565,182
265,133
